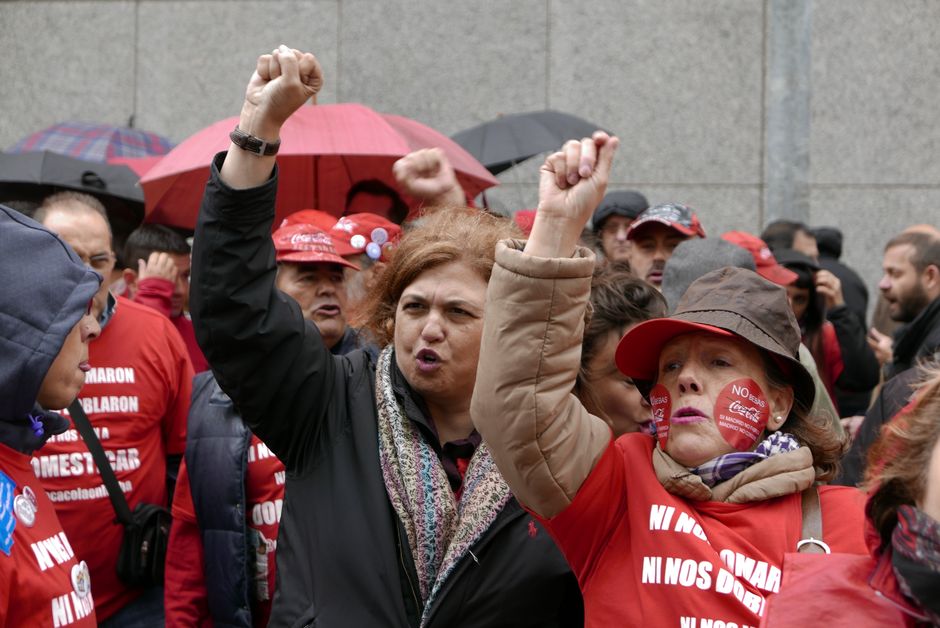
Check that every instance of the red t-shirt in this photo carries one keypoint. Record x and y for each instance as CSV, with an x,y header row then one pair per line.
x,y
646,557
264,496
41,581
137,399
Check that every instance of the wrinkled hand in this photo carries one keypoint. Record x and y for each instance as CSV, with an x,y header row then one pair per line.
x,y
159,266
830,287
572,182
881,345
427,174
282,82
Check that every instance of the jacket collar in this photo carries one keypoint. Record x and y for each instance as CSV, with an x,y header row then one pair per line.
x,y
911,338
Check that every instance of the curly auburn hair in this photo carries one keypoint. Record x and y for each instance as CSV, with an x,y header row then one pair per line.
x,y
449,234
899,459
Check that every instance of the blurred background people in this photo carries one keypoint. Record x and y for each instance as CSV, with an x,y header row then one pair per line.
x,y
833,334
654,234
612,219
158,276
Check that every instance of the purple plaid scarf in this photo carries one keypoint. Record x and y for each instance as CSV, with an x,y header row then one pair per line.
x,y
915,545
723,468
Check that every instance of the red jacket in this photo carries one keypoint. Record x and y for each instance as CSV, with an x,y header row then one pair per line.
x,y
155,293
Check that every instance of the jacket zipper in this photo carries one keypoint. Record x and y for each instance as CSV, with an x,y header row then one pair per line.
x,y
483,541
401,560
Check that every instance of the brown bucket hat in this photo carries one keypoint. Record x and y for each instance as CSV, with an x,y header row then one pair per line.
x,y
728,302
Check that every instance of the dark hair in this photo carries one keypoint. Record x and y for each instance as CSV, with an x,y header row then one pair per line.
x,y
147,239
828,241
926,248
780,234
826,445
618,300
899,459
450,234
814,317
24,206
375,187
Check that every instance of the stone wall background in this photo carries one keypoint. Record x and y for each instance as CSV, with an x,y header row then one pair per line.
x,y
684,83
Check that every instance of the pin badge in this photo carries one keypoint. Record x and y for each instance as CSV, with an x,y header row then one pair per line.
x,y
379,236
81,579
358,241
25,511
374,250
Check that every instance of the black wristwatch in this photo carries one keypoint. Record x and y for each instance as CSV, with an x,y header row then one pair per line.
x,y
252,144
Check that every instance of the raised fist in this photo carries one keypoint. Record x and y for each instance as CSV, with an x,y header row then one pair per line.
x,y
573,181
282,82
427,174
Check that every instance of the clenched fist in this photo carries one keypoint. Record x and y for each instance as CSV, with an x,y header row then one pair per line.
x,y
427,174
282,82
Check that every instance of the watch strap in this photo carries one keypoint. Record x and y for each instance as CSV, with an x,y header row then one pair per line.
x,y
252,144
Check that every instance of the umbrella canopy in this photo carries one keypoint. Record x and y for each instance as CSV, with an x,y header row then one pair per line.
x,y
507,140
94,142
140,165
325,149
31,177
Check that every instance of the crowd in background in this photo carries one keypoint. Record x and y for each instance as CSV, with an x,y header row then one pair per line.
x,y
449,417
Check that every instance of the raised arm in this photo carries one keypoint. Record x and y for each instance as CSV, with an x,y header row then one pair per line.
x,y
543,440
265,356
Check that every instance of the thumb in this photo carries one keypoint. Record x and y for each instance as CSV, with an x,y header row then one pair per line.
x,y
141,267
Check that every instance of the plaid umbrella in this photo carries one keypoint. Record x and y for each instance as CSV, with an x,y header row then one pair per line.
x,y
94,142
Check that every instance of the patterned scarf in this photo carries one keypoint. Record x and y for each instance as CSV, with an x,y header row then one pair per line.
x,y
440,529
915,545
722,468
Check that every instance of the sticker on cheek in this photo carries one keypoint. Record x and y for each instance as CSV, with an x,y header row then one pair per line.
x,y
741,413
661,405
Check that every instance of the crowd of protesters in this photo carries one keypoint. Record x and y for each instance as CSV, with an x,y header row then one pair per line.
x,y
595,414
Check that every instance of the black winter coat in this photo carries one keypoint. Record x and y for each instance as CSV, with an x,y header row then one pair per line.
x,y
343,558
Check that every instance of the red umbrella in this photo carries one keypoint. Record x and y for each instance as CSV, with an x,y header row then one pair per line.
x,y
325,149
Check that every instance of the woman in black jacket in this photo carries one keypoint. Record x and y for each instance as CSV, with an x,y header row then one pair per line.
x,y
395,514
835,336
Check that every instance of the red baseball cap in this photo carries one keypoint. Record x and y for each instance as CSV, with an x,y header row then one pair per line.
x,y
764,260
673,215
315,217
366,233
307,244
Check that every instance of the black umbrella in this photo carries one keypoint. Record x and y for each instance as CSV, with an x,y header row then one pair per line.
x,y
507,140
30,177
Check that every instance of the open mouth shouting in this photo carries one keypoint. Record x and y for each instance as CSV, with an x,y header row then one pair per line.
x,y
328,309
428,360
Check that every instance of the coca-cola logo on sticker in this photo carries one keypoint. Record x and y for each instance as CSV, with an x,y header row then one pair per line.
x,y
752,414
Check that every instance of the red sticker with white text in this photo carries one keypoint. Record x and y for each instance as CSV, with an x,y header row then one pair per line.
x,y
661,404
741,413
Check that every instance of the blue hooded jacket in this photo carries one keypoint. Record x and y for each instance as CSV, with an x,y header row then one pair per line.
x,y
44,291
